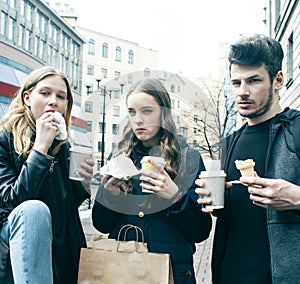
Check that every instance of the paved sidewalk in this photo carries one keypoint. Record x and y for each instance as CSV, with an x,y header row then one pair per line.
x,y
201,257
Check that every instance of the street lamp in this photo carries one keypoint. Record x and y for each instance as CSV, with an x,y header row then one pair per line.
x,y
102,90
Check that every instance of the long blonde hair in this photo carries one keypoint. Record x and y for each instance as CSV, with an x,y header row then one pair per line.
x,y
19,119
168,144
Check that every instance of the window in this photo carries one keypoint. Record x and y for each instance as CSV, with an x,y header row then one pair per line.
x,y
90,70
36,46
290,59
11,28
27,44
130,78
172,88
105,50
101,127
41,22
117,75
88,106
116,110
3,23
29,10
117,93
89,126
12,3
115,129
91,47
118,54
101,108
100,146
22,36
104,72
277,10
130,57
146,72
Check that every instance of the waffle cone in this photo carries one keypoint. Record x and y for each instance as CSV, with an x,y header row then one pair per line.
x,y
246,167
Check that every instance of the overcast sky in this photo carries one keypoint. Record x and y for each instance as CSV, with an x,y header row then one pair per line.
x,y
187,34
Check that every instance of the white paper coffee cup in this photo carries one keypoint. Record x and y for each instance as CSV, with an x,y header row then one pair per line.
x,y
76,159
214,181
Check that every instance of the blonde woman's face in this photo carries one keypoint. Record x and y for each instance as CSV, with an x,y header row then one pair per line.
x,y
50,94
145,117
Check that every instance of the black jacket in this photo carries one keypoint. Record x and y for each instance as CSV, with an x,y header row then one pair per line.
x,y
172,229
283,226
43,177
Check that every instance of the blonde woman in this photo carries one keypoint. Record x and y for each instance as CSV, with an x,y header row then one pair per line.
x,y
40,229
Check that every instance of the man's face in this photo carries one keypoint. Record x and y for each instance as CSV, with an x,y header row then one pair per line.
x,y
254,93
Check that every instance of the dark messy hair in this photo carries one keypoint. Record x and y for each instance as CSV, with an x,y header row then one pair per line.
x,y
257,50
168,144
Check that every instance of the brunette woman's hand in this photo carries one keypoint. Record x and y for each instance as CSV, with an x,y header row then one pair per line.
x,y
46,127
112,184
158,181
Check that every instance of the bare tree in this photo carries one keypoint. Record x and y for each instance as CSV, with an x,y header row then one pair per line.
x,y
214,117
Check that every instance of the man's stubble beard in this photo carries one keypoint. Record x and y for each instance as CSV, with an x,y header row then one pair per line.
x,y
261,111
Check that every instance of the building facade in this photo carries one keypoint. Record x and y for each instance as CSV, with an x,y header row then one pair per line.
x,y
32,35
110,66
284,25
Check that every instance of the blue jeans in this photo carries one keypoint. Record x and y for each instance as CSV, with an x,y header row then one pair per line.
x,y
28,234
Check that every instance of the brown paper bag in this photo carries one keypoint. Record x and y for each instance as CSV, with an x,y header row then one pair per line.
x,y
123,262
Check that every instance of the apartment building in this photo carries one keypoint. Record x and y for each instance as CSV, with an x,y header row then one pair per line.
x,y
284,25
32,35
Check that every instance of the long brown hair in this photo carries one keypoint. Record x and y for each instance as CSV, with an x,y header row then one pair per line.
x,y
168,144
19,119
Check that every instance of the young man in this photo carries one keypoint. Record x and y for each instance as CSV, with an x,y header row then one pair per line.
x,y
257,237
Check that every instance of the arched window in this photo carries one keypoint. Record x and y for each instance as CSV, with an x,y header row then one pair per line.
x,y
105,50
130,57
91,47
146,72
118,53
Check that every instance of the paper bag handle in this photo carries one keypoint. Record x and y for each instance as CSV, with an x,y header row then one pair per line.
x,y
127,228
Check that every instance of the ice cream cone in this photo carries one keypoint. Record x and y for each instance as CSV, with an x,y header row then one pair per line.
x,y
246,167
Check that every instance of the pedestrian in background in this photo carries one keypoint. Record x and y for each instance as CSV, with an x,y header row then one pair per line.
x,y
169,216
40,229
257,234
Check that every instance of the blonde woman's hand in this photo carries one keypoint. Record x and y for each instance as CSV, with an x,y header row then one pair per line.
x,y
86,170
46,127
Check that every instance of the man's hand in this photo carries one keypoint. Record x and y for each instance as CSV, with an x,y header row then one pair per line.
x,y
276,194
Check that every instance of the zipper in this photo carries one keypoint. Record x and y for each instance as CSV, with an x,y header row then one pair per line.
x,y
51,169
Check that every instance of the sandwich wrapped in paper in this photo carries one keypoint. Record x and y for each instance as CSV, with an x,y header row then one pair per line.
x,y
61,132
120,167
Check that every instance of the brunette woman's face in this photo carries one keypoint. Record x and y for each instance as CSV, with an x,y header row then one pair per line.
x,y
145,117
49,95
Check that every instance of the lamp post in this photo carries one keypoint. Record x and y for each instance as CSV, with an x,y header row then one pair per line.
x,y
102,90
